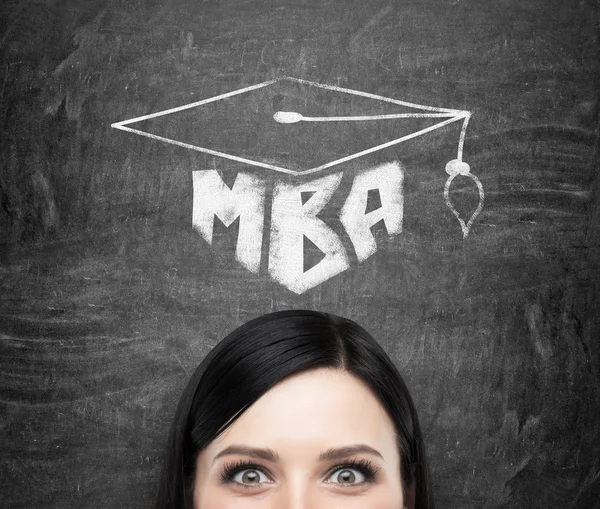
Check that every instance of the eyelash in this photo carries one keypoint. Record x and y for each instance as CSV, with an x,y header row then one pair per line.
x,y
365,467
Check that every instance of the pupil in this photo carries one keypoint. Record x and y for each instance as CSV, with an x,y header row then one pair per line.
x,y
251,476
347,476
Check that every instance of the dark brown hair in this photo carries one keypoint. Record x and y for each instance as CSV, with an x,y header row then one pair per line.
x,y
256,356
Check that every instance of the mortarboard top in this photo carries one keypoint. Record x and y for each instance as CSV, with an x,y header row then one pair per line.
x,y
293,126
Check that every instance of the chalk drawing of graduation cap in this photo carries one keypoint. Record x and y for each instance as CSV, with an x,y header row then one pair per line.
x,y
299,127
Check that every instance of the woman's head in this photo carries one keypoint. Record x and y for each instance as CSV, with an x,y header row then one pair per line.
x,y
298,384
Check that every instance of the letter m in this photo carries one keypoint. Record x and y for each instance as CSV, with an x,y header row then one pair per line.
x,y
245,200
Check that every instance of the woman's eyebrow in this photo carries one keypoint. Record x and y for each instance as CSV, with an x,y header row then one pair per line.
x,y
270,455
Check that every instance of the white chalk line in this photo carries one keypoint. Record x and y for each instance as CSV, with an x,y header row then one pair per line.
x,y
384,145
207,151
465,227
377,117
374,96
461,140
193,105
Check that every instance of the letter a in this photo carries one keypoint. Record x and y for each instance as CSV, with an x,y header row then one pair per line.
x,y
246,200
290,222
387,178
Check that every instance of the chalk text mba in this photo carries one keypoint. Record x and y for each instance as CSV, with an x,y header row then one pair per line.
x,y
291,220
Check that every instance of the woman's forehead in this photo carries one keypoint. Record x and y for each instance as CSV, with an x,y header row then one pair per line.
x,y
319,393
310,412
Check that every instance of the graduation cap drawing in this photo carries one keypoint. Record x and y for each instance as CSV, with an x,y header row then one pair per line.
x,y
299,127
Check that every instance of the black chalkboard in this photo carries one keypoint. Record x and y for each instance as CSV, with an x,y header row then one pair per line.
x,y
118,275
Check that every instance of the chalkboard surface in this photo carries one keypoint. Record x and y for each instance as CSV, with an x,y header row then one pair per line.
x,y
124,260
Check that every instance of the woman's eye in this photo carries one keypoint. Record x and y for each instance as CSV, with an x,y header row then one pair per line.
x,y
346,475
249,476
